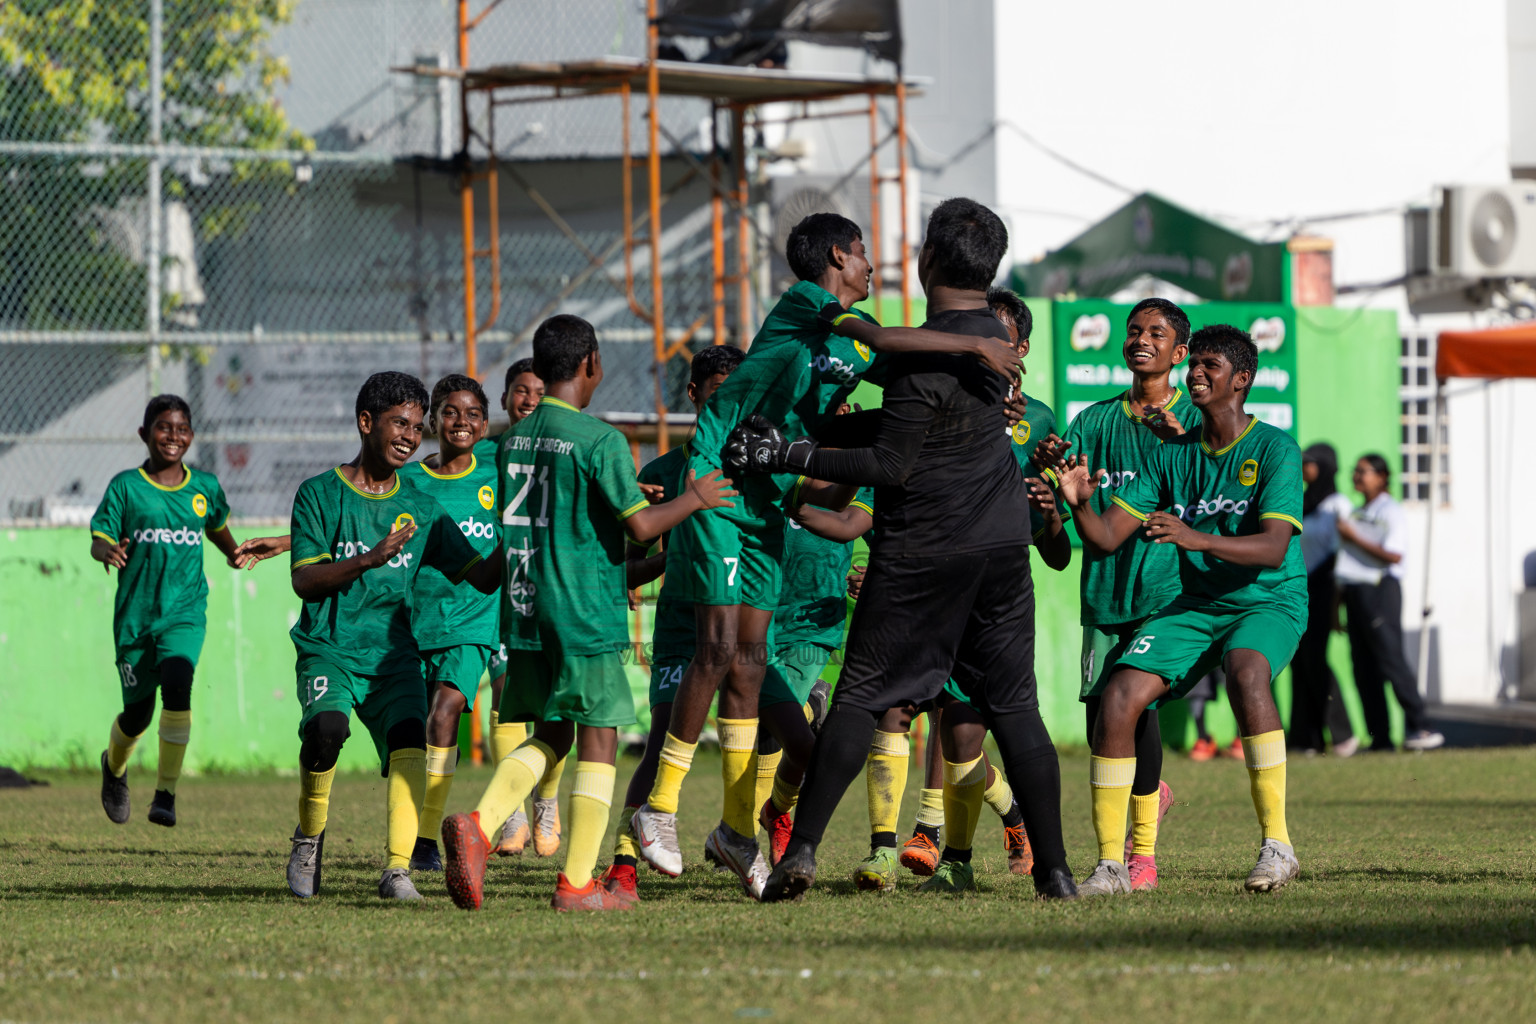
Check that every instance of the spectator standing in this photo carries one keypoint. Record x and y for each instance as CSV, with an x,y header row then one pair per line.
x,y
1314,688
1369,569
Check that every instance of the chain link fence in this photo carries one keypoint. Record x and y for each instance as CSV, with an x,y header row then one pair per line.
x,y
301,201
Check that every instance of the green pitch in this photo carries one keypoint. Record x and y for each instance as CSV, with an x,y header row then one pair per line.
x,y
1416,902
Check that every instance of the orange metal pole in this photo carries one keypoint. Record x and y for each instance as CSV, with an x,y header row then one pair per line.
x,y
901,177
874,200
493,216
467,196
743,239
658,314
717,248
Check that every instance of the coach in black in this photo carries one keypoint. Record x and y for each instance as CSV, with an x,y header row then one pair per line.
x,y
948,592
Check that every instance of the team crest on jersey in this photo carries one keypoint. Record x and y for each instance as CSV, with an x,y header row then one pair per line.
x,y
862,349
403,520
1248,473
199,504
487,497
1021,432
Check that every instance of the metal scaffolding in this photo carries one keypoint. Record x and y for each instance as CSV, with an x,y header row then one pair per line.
x,y
733,92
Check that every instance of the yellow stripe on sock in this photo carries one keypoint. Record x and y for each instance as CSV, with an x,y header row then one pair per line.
x,y
767,768
1110,783
549,784
671,770
1265,754
175,731
591,798
1144,823
885,777
119,749
314,800
624,844
738,773
506,736
516,775
964,784
999,795
930,811
407,790
441,762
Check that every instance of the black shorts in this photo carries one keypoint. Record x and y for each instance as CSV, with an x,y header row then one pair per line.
x,y
921,621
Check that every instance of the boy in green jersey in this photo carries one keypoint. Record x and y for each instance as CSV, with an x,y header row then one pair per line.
x,y
567,499
796,374
150,526
520,395
362,534
672,636
1229,499
1120,590
455,627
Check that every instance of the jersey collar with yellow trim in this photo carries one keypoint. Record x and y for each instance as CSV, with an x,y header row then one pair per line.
x,y
473,462
362,493
1252,422
161,487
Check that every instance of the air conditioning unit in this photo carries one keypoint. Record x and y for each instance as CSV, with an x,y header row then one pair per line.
x,y
1481,231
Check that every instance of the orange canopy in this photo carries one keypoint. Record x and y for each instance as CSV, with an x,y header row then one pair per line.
x,y
1499,352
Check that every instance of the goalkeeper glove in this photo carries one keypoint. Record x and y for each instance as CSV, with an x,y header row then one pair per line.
x,y
758,446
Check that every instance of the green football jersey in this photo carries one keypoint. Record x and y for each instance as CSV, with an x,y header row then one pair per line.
x,y
1039,423
1141,577
673,631
813,604
1230,493
442,614
567,483
163,582
796,374
366,626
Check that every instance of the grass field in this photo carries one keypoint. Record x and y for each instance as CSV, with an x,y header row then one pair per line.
x,y
1415,903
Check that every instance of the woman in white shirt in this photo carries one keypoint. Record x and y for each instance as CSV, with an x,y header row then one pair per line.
x,y
1314,688
1369,570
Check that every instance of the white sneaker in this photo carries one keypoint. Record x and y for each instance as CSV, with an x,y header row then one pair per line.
x,y
739,853
1424,739
396,884
1346,748
1277,865
656,833
1110,878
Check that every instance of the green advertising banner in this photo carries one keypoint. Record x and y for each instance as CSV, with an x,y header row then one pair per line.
x,y
1151,236
1088,338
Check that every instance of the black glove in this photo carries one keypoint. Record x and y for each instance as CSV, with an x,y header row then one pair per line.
x,y
758,446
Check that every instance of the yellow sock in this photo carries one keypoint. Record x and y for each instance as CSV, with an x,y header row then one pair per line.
x,y
671,770
998,795
930,811
1265,754
407,788
591,797
1144,823
885,776
516,775
785,794
738,771
623,843
549,785
964,785
767,767
506,736
175,731
119,749
314,800
441,762
1110,780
